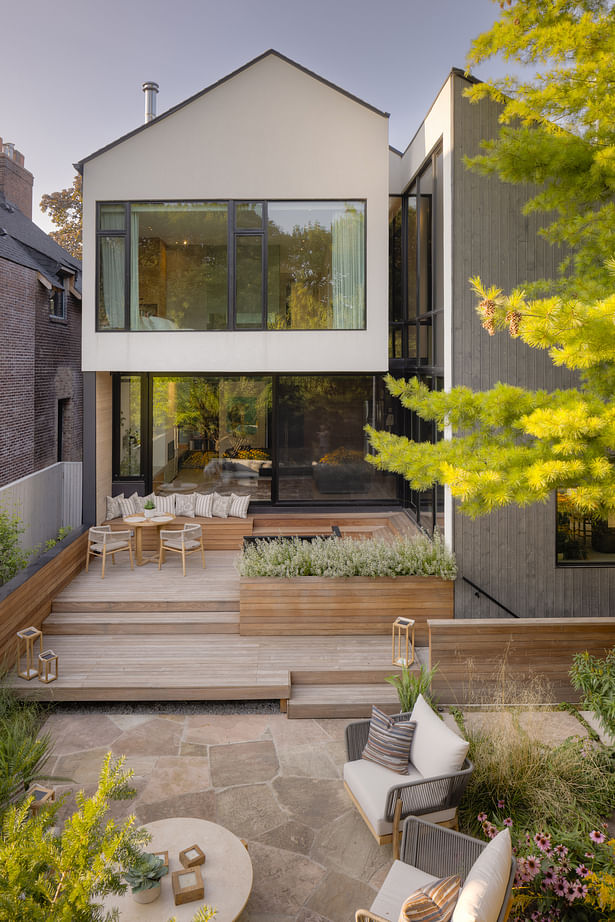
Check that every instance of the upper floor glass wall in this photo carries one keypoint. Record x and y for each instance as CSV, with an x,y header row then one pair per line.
x,y
231,265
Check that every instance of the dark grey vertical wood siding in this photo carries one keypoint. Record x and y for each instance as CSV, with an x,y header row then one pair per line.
x,y
509,554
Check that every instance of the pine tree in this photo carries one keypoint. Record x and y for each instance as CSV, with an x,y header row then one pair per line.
x,y
510,445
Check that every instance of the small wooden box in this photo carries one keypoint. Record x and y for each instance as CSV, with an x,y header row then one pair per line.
x,y
191,857
187,886
164,856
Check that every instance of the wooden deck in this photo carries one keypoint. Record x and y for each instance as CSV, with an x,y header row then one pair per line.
x,y
150,635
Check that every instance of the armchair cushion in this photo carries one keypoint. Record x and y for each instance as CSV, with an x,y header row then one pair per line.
x,y
433,902
485,886
370,784
401,880
436,749
389,742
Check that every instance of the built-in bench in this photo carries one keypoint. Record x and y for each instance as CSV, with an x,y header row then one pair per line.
x,y
218,534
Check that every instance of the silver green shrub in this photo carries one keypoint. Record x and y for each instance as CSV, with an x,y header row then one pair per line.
x,y
284,558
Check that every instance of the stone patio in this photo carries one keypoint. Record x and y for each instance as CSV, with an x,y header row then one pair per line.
x,y
272,781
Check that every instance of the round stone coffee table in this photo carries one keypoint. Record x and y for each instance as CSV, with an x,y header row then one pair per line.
x,y
227,872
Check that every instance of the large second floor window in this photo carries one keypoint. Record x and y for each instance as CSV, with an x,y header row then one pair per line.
x,y
231,265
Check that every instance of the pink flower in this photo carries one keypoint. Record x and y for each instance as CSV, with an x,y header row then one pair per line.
x,y
508,822
589,855
597,837
559,887
561,851
582,871
533,865
481,817
500,804
543,842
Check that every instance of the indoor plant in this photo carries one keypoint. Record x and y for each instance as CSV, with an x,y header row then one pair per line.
x,y
144,877
149,508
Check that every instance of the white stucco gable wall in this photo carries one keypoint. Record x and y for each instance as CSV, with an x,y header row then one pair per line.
x,y
272,131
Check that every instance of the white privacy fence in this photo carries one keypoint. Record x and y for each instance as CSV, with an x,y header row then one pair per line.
x,y
45,501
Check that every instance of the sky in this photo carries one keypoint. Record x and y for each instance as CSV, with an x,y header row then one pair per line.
x,y
72,70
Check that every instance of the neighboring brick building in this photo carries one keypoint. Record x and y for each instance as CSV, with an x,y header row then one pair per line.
x,y
41,393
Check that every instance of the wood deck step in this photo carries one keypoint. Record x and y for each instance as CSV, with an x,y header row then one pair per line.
x,y
71,606
142,622
320,701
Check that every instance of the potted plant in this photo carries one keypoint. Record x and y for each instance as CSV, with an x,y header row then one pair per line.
x,y
144,877
149,508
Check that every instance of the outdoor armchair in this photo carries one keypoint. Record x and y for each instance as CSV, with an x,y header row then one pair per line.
x,y
185,542
430,852
384,798
103,542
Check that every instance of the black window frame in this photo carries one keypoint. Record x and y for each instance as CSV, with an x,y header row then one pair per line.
x,y
233,232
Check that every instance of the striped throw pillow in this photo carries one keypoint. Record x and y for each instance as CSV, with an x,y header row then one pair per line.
x,y
389,742
204,504
239,505
127,505
165,504
432,903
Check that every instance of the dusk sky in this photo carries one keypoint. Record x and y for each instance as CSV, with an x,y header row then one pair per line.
x,y
72,69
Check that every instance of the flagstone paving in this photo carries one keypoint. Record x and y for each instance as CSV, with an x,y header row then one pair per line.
x,y
275,783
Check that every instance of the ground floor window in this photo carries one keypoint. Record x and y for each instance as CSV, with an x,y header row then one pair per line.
x,y
279,438
583,539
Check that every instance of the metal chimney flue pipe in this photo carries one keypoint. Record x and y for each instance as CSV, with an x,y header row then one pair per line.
x,y
150,89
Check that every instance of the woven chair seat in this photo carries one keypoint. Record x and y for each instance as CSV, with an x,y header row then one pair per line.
x,y
110,545
177,544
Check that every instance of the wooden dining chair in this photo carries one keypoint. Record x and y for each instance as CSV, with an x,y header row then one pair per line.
x,y
102,542
185,542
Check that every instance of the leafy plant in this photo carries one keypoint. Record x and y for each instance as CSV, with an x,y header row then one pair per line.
x,y
595,677
410,684
23,753
145,873
12,556
204,914
285,558
49,878
149,504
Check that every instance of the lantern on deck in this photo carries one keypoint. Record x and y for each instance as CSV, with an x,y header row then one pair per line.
x,y
403,642
26,640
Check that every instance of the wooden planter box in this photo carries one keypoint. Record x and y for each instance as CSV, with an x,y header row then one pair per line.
x,y
358,605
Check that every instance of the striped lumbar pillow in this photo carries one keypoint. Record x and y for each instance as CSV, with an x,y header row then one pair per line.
x,y
165,504
239,505
432,903
389,742
127,505
204,504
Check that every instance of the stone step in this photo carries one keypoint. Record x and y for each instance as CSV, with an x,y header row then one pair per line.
x,y
141,622
320,701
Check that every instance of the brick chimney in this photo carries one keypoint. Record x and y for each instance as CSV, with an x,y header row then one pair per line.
x,y
15,181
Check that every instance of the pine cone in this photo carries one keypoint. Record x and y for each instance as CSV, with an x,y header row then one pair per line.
x,y
513,318
487,307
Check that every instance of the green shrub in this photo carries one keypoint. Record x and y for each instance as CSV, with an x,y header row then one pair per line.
x,y
285,558
12,557
409,685
23,753
595,677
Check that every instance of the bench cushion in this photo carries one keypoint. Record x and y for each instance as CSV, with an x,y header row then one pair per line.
x,y
400,882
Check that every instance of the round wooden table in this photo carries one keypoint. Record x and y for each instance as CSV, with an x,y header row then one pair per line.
x,y
139,522
227,872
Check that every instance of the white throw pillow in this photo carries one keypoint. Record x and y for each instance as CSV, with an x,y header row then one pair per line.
x,y
113,507
239,505
185,504
204,504
165,505
436,749
221,506
484,889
